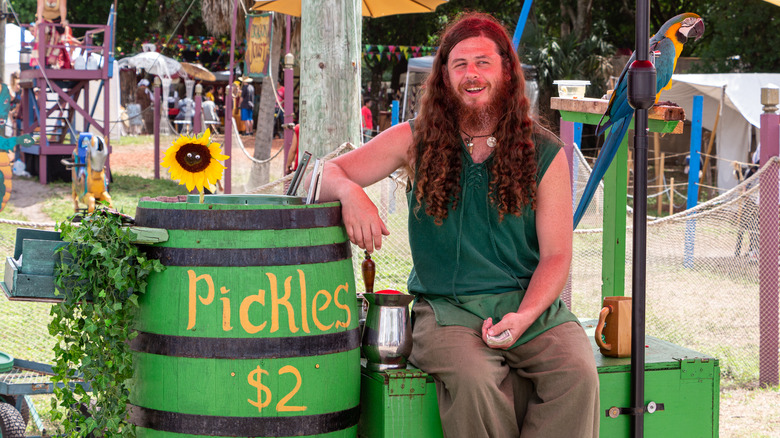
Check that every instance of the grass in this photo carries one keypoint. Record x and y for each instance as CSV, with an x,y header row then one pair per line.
x,y
125,192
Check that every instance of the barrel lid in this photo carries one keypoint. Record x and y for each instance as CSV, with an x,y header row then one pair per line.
x,y
6,362
245,199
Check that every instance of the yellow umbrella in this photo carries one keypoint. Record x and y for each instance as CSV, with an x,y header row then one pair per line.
x,y
774,2
371,8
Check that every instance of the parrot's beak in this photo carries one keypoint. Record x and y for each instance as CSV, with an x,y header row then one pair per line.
x,y
695,30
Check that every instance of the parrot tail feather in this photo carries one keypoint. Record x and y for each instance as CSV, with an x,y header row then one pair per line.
x,y
607,154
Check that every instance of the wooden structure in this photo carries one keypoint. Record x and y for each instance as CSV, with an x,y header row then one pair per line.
x,y
663,119
63,94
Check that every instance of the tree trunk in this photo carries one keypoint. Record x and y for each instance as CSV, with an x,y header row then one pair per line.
x,y
576,18
260,173
330,74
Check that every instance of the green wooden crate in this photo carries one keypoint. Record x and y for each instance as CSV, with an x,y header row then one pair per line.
x,y
29,274
398,403
685,382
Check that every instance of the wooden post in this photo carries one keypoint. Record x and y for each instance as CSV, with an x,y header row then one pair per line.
x,y
228,146
330,74
157,115
671,196
660,178
613,265
707,175
3,10
657,155
567,137
693,178
196,125
289,90
695,157
768,232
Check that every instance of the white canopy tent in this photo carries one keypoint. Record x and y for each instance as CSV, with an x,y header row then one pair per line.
x,y
13,43
741,93
423,64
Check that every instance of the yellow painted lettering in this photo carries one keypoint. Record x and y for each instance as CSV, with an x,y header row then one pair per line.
x,y
244,312
225,310
345,288
193,292
283,301
304,304
314,309
281,406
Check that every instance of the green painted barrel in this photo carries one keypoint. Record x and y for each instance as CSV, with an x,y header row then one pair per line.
x,y
251,329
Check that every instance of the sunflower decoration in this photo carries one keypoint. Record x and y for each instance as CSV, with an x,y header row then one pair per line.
x,y
194,161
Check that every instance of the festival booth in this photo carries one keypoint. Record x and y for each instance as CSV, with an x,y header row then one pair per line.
x,y
740,94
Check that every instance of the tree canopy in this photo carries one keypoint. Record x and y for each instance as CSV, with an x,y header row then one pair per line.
x,y
737,37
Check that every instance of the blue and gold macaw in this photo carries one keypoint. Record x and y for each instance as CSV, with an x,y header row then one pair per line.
x,y
665,47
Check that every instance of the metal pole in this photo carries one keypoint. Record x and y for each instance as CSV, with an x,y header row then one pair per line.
x,y
641,96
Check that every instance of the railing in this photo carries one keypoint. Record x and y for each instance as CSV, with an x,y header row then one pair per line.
x,y
86,46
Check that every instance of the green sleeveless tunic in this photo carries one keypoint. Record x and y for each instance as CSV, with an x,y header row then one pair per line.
x,y
473,267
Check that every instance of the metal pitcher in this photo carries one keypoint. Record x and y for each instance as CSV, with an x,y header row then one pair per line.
x,y
387,335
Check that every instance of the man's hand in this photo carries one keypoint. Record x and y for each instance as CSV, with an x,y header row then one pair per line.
x,y
514,322
361,219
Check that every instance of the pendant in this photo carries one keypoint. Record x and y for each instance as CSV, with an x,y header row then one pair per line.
x,y
470,147
492,142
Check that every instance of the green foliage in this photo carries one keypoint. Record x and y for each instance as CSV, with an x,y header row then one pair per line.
x,y
102,265
740,38
568,57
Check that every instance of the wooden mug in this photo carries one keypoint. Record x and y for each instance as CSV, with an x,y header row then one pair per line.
x,y
615,325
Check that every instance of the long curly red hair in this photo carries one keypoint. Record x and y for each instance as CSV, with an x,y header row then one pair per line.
x,y
436,157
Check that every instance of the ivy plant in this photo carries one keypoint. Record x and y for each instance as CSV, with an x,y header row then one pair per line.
x,y
100,277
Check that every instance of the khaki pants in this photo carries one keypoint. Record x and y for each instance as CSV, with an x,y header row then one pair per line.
x,y
547,387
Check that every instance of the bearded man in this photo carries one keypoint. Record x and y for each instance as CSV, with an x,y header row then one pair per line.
x,y
490,230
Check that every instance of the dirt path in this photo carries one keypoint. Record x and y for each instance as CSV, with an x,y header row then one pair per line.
x,y
28,195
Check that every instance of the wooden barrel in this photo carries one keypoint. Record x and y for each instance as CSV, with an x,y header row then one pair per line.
x,y
251,330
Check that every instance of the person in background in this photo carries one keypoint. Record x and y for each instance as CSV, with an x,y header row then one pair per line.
x,y
236,96
278,111
247,104
292,154
186,114
52,11
368,124
490,232
219,102
210,93
16,92
143,97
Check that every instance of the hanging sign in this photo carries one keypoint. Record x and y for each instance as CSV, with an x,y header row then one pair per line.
x,y
259,31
